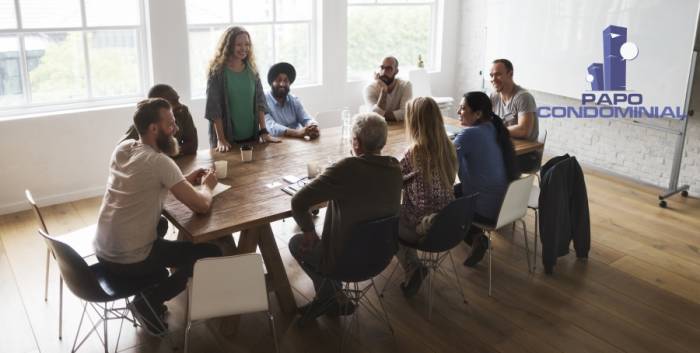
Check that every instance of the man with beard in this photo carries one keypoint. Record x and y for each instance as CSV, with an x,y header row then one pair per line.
x,y
287,116
186,134
129,241
387,95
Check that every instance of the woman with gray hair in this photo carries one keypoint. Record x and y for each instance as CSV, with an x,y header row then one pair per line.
x,y
360,188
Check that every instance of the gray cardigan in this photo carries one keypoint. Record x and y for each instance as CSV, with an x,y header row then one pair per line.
x,y
218,105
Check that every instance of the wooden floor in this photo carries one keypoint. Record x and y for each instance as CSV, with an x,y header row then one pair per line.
x,y
638,292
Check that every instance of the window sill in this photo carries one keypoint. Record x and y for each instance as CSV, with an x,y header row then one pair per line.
x,y
267,89
403,77
40,112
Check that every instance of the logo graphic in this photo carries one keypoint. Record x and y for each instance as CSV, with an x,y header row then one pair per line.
x,y
609,97
612,75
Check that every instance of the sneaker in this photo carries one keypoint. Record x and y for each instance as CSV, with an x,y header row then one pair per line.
x,y
148,320
311,311
478,251
410,289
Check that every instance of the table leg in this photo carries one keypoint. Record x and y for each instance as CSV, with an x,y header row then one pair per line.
x,y
249,240
279,283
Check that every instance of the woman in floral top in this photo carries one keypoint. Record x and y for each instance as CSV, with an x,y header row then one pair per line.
x,y
429,169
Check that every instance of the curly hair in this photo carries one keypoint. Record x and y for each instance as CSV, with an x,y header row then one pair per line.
x,y
225,48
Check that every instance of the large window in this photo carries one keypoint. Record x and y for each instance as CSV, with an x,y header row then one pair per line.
x,y
70,52
405,29
280,30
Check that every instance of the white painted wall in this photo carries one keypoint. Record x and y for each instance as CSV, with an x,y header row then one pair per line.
x,y
64,157
636,152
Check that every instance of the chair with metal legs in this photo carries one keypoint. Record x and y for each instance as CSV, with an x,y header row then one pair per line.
x,y
225,286
80,240
513,208
366,253
534,204
448,230
98,289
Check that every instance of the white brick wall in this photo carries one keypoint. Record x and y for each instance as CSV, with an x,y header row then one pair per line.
x,y
638,152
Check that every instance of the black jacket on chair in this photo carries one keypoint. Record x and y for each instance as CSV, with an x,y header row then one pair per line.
x,y
563,210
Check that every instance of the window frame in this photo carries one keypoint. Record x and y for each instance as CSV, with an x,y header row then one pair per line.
x,y
434,38
30,108
314,40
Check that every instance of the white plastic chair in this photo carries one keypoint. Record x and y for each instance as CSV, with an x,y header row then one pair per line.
x,y
534,203
225,286
81,240
329,119
420,82
513,208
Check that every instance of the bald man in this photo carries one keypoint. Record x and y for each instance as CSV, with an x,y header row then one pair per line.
x,y
387,95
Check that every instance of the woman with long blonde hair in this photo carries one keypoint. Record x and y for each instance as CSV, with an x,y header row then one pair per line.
x,y
236,103
429,167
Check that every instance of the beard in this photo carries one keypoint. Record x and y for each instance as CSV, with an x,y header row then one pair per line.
x,y
168,144
386,79
280,92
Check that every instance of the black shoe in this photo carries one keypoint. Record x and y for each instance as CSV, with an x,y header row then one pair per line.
x,y
149,321
478,251
411,288
311,311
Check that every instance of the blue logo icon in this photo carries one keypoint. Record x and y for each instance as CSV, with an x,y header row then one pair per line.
x,y
611,75
609,97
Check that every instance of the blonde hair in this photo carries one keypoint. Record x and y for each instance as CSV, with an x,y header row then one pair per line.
x,y
225,48
431,149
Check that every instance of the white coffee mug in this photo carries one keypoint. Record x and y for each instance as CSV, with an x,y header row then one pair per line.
x,y
247,155
221,169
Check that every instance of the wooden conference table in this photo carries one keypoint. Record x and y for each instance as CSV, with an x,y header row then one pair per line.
x,y
255,198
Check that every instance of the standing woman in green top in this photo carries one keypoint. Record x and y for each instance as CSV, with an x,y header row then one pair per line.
x,y
236,104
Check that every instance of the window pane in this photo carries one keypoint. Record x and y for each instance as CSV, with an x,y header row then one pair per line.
x,y
114,63
56,66
47,14
371,37
252,11
202,43
261,37
292,45
294,10
10,74
403,1
112,13
208,11
8,19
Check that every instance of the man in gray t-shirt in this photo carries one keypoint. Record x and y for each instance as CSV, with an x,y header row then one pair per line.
x,y
129,241
517,107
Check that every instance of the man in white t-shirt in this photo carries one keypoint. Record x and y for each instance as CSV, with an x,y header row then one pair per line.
x,y
517,107
387,94
130,229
